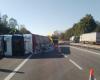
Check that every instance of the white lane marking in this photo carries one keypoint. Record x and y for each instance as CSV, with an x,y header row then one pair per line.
x,y
90,78
76,64
17,68
86,50
65,56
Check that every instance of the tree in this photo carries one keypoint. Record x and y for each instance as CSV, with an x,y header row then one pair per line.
x,y
98,27
23,30
3,25
12,23
62,36
4,29
9,27
68,33
56,33
86,25
4,19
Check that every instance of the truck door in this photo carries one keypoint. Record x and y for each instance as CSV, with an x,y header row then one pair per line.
x,y
18,46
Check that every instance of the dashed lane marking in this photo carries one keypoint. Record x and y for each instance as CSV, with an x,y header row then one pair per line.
x,y
79,67
17,68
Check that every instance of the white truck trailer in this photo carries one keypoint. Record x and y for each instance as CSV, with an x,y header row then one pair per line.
x,y
93,38
72,38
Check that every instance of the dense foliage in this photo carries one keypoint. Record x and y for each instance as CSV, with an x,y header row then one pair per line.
x,y
11,26
86,25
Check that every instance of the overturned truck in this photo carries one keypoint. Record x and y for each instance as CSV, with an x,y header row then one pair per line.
x,y
20,45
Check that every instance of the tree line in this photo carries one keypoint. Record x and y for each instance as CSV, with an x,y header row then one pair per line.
x,y
11,26
86,25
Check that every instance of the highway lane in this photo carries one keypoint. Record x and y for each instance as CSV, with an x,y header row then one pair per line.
x,y
8,64
87,60
73,64
51,66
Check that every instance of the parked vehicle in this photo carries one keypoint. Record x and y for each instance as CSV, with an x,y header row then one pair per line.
x,y
75,39
93,38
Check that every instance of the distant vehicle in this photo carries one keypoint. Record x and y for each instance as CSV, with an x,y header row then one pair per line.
x,y
92,38
64,42
75,39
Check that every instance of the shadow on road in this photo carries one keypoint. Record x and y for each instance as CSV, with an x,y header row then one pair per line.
x,y
17,57
57,53
9,71
48,55
64,50
1,57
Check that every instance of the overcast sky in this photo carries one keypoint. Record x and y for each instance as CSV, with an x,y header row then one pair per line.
x,y
45,16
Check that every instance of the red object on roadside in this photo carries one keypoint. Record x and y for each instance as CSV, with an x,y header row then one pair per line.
x,y
91,72
91,77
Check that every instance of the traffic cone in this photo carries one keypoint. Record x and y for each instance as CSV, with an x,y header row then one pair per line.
x,y
91,76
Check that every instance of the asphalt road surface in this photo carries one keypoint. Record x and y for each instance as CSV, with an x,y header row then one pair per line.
x,y
72,63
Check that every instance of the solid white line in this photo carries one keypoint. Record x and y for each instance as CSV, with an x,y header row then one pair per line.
x,y
17,68
76,64
90,78
86,50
